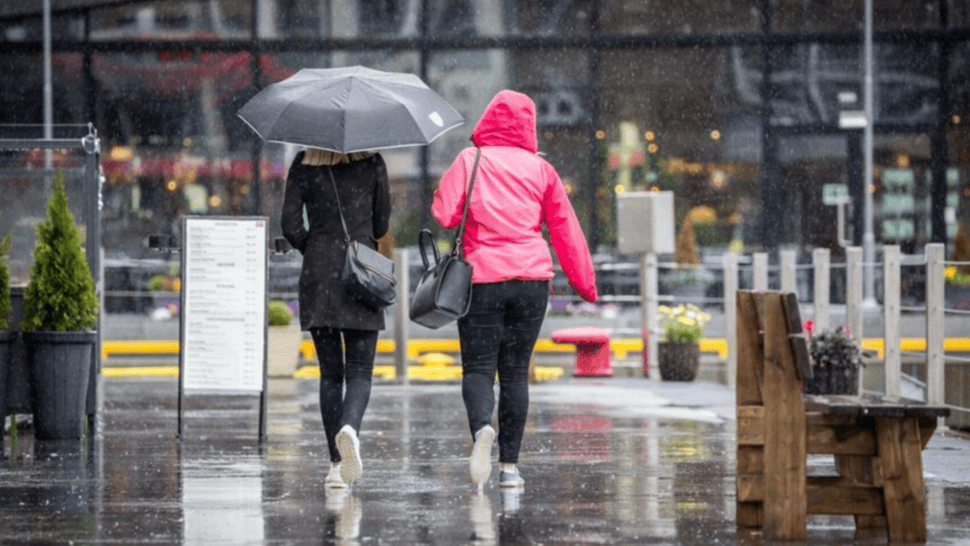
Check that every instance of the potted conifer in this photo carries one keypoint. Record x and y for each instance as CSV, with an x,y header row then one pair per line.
x,y
60,314
7,336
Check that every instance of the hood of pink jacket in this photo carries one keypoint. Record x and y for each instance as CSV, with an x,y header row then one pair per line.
x,y
509,120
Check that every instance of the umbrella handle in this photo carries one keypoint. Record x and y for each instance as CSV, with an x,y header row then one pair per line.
x,y
426,234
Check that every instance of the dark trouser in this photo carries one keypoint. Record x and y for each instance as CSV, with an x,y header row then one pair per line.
x,y
336,407
498,334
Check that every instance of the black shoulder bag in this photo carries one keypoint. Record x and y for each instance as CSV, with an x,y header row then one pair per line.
x,y
368,275
444,292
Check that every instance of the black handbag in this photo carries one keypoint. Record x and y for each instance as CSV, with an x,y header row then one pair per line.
x,y
368,275
444,292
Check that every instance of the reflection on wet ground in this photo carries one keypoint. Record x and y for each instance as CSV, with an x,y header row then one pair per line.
x,y
605,462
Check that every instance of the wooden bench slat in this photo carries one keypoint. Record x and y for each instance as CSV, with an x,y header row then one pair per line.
x,y
866,405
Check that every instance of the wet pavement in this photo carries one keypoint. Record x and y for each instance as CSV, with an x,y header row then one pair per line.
x,y
606,461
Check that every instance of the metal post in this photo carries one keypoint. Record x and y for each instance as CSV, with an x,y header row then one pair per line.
x,y
730,261
760,281
821,258
788,271
935,357
868,238
853,292
891,313
48,101
402,319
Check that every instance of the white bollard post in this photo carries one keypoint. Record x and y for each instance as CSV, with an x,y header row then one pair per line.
x,y
730,262
821,258
935,357
402,312
788,271
891,319
760,280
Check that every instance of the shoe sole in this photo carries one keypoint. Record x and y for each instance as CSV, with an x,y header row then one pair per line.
x,y
349,449
480,462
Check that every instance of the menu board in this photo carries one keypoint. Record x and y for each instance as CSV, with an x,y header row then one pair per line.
x,y
223,314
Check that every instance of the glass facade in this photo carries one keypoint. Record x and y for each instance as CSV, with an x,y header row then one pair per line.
x,y
743,108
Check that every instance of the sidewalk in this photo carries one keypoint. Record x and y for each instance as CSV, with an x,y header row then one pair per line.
x,y
611,461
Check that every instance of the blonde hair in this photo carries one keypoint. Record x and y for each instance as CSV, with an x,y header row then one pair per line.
x,y
318,156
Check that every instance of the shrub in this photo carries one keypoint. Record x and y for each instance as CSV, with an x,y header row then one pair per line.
x,y
60,296
279,313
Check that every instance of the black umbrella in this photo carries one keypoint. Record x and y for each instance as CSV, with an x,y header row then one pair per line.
x,y
350,110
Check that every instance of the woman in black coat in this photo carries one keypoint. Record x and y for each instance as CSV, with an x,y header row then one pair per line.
x,y
344,330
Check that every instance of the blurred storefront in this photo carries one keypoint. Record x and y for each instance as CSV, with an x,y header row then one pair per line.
x,y
735,105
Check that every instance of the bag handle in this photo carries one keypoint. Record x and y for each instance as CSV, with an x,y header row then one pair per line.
x,y
341,212
456,247
426,234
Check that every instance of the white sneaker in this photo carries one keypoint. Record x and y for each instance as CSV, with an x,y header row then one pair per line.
x,y
351,468
334,481
480,462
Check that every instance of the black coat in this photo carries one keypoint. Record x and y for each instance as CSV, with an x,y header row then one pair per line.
x,y
366,203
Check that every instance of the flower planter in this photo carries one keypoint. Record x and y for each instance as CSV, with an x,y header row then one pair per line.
x,y
60,367
833,380
678,361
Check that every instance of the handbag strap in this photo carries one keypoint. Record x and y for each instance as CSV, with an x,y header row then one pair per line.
x,y
339,211
456,248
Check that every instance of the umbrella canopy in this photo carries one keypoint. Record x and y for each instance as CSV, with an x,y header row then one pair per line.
x,y
350,110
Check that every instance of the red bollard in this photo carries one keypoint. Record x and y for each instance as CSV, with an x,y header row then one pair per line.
x,y
593,357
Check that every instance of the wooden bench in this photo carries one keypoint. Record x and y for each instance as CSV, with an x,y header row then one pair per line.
x,y
876,443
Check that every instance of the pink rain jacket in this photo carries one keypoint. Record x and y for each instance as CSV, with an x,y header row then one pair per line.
x,y
515,192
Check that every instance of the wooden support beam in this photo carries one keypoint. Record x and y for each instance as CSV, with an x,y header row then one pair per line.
x,y
901,469
751,425
785,422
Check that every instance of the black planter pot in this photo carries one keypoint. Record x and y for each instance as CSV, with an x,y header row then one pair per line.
x,y
833,380
60,364
7,338
678,361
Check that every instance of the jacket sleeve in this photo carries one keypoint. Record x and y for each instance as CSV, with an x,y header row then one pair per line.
x,y
566,236
449,198
382,199
291,217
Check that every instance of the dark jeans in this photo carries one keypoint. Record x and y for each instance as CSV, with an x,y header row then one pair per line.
x,y
498,334
336,407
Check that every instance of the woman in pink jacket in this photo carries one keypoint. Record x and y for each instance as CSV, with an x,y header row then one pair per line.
x,y
515,193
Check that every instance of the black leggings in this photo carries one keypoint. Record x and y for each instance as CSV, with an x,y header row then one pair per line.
x,y
498,334
336,407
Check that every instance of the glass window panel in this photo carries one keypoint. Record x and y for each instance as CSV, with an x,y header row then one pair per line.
x,y
958,137
847,15
172,143
815,83
959,13
684,17
25,189
31,29
552,18
693,117
173,20
466,18
22,103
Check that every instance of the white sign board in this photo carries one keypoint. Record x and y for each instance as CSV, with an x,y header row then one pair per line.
x,y
223,311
